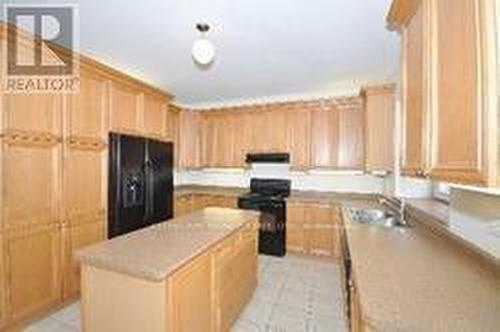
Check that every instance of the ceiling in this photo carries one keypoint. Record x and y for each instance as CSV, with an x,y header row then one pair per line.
x,y
265,48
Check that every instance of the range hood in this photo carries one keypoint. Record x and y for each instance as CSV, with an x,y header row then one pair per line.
x,y
269,158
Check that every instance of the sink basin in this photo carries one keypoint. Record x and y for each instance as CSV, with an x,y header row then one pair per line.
x,y
378,217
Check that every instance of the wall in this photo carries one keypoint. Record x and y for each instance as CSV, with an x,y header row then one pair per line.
x,y
313,180
475,216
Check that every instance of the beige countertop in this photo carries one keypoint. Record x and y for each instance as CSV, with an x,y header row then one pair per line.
x,y
155,252
415,280
296,195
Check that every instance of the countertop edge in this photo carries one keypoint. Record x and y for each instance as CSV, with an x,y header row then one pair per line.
x,y
151,275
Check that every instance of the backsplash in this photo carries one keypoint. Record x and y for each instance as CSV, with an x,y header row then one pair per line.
x,y
475,217
349,181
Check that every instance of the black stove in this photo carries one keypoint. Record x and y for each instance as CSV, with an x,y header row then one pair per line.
x,y
268,196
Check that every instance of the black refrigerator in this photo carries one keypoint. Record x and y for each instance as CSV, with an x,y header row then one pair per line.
x,y
140,183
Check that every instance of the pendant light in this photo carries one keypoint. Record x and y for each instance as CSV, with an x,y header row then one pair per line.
x,y
203,50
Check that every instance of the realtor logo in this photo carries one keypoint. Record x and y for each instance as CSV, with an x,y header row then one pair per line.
x,y
36,62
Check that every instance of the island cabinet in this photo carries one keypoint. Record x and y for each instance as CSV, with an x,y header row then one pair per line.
x,y
202,286
312,228
449,90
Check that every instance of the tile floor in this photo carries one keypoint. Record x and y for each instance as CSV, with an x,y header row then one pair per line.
x,y
294,294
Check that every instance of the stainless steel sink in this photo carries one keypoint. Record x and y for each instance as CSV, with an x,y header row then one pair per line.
x,y
378,217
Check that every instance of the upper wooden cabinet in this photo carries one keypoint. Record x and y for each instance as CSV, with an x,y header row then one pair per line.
x,y
87,111
125,109
298,137
154,115
189,147
414,124
337,135
325,137
450,95
380,108
351,136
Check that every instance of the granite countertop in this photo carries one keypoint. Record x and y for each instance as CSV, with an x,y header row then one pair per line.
x,y
414,280
156,252
296,195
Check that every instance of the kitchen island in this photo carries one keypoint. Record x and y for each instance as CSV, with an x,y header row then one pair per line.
x,y
192,273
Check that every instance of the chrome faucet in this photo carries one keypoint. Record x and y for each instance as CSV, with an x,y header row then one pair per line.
x,y
395,206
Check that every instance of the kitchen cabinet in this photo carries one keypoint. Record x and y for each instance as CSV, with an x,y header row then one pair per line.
x,y
87,111
126,109
380,109
189,147
30,180
191,293
185,204
32,266
313,229
450,105
78,236
236,276
220,131
415,116
298,137
154,115
325,137
173,135
351,137
295,233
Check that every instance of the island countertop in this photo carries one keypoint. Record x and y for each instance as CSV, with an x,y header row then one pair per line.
x,y
155,252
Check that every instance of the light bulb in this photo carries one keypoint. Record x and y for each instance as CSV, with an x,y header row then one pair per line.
x,y
203,51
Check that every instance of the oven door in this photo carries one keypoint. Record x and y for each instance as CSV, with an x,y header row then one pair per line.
x,y
272,233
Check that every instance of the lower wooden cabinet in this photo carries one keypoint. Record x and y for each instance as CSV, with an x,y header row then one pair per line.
x,y
191,292
312,228
32,271
236,276
184,204
78,236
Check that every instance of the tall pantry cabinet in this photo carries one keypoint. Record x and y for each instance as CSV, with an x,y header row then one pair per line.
x,y
450,89
53,150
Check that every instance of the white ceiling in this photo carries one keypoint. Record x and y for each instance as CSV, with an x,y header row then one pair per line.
x,y
265,48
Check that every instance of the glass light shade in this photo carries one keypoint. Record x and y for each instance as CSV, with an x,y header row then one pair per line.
x,y
203,51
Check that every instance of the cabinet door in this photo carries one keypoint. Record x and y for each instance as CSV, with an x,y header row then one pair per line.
x,y
320,230
125,109
325,137
31,180
191,292
173,131
85,187
380,127
183,205
295,232
456,114
32,260
28,114
414,114
298,131
351,138
79,236
189,140
86,113
154,114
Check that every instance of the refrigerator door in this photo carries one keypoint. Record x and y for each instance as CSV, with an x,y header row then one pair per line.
x,y
127,184
159,181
